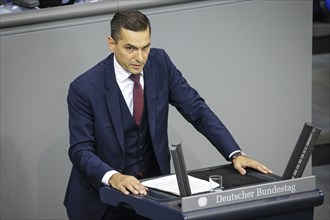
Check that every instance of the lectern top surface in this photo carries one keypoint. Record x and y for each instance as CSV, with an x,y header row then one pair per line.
x,y
231,178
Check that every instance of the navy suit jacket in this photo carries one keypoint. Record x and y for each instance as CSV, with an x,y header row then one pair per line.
x,y
96,132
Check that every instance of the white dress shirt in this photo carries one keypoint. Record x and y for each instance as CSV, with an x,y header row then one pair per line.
x,y
126,84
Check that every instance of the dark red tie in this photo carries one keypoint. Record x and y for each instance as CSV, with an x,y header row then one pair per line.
x,y
137,98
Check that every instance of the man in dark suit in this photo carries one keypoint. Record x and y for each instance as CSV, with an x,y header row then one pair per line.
x,y
107,145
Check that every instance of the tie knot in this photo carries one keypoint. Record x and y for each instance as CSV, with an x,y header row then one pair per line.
x,y
135,77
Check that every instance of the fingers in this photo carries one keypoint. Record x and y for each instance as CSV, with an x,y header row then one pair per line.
x,y
241,170
127,184
264,169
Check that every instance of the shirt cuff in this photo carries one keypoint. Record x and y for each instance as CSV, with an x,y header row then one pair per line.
x,y
107,176
234,152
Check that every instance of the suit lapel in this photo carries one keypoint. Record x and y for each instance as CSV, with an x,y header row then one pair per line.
x,y
150,94
112,98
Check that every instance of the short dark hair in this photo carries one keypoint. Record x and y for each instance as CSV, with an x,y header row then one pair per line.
x,y
132,20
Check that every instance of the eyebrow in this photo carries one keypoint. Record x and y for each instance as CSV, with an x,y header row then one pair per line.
x,y
130,45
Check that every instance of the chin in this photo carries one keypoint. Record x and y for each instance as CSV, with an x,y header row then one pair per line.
x,y
134,71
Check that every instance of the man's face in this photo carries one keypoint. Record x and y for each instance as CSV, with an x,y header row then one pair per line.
x,y
131,50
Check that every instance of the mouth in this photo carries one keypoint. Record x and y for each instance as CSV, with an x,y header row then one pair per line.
x,y
137,66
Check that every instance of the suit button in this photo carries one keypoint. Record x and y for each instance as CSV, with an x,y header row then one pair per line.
x,y
140,158
140,146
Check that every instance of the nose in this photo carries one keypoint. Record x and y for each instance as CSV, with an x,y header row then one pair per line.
x,y
139,55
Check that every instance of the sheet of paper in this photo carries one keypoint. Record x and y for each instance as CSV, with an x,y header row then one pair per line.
x,y
170,184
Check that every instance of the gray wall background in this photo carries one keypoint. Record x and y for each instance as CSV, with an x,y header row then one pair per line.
x,y
250,60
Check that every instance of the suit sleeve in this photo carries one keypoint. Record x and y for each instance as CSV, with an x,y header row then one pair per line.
x,y
82,151
194,109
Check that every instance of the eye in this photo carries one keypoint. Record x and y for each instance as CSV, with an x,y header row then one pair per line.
x,y
145,48
129,49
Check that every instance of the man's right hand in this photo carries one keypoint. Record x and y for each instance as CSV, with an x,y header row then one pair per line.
x,y
127,184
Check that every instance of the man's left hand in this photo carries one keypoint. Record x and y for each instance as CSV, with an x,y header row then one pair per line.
x,y
242,162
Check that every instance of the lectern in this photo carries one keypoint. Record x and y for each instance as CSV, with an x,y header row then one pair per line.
x,y
253,196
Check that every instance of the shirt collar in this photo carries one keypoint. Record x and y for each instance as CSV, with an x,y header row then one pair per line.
x,y
121,73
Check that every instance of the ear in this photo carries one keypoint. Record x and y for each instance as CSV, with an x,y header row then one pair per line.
x,y
111,44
